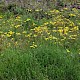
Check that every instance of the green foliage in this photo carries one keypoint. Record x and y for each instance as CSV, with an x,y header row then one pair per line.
x,y
48,62
36,44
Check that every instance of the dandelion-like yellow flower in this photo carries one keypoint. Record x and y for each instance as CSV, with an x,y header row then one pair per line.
x,y
18,34
17,26
33,45
60,31
28,19
8,35
68,50
37,10
65,8
11,32
35,35
76,28
46,23
16,43
46,39
72,15
24,32
18,17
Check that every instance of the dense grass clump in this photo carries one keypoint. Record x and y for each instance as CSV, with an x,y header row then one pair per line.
x,y
44,63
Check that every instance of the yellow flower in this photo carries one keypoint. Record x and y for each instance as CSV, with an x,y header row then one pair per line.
x,y
48,33
29,10
65,8
60,31
54,30
18,17
46,23
73,38
12,38
52,22
46,13
68,50
28,19
37,10
66,28
72,15
29,35
11,32
35,35
57,11
46,39
73,35
18,34
55,37
34,24
5,33
8,35
50,37
33,45
75,10
24,32
76,28
52,11
16,43
17,26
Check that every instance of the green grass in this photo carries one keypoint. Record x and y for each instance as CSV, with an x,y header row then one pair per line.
x,y
40,45
47,62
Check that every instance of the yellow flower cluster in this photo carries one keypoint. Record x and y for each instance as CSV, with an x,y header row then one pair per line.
x,y
9,34
33,45
72,15
17,26
55,26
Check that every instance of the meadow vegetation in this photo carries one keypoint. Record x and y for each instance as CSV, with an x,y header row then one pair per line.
x,y
37,44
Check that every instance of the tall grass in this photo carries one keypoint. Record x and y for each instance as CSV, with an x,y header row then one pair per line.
x,y
47,62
